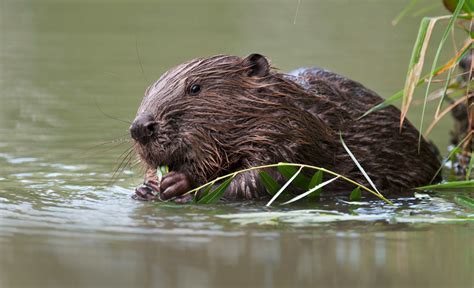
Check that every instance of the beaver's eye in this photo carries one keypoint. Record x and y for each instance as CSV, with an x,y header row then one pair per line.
x,y
195,89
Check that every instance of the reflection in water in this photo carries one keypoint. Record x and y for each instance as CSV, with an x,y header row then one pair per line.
x,y
255,259
64,220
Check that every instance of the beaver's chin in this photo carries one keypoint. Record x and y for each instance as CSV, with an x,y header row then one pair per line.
x,y
157,156
156,160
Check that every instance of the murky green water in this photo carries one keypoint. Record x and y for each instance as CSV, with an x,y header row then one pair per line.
x,y
66,221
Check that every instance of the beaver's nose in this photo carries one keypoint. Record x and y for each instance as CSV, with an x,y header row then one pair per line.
x,y
143,127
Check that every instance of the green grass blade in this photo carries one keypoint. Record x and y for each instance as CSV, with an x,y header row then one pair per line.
x,y
301,166
425,10
216,194
387,102
465,201
449,185
284,186
416,64
203,193
358,164
450,156
164,169
469,7
356,195
469,168
310,191
452,21
451,5
445,89
315,180
161,171
398,95
300,181
270,184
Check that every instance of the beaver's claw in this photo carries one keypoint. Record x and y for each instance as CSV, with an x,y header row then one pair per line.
x,y
173,185
145,192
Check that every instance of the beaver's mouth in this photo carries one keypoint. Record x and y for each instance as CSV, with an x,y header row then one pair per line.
x,y
156,155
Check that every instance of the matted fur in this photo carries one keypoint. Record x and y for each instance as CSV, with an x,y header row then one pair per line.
x,y
240,120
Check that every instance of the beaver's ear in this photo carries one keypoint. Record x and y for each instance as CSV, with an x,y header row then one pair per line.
x,y
257,65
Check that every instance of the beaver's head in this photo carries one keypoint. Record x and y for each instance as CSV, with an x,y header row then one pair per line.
x,y
207,116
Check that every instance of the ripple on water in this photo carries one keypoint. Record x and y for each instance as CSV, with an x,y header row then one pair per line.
x,y
17,160
71,199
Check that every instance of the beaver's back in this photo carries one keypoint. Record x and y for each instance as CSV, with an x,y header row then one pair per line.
x,y
389,155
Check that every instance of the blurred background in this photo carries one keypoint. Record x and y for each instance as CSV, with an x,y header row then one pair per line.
x,y
68,67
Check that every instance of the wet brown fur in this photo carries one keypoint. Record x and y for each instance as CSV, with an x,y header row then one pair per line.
x,y
245,117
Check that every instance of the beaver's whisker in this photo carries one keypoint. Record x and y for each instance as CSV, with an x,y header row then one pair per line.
x,y
140,60
126,157
123,165
133,165
114,144
110,116
99,148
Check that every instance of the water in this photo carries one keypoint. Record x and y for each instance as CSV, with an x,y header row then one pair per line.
x,y
67,221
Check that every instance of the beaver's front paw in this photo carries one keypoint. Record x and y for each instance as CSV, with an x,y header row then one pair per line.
x,y
174,184
146,192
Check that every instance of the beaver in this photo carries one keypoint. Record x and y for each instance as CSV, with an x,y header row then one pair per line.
x,y
212,116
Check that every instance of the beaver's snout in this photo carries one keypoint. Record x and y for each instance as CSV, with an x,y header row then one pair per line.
x,y
143,128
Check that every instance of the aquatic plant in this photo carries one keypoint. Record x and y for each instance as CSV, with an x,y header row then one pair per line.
x,y
314,184
208,193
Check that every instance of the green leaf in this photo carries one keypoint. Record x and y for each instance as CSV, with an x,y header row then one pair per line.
x,y
270,184
416,64
300,181
356,195
164,169
161,171
469,168
447,30
301,166
315,180
449,185
398,95
465,201
203,193
451,157
387,102
311,191
451,5
444,94
216,194
284,187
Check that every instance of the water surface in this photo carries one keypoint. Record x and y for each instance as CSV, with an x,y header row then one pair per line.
x,y
72,74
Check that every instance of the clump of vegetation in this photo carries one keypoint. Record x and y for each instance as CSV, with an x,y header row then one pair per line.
x,y
209,193
455,96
